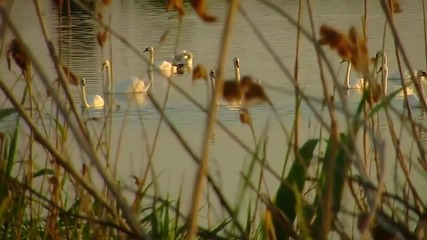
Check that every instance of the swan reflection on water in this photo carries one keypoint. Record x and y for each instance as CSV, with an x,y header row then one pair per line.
x,y
420,128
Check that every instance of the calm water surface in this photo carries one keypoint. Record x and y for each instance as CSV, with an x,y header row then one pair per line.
x,y
143,23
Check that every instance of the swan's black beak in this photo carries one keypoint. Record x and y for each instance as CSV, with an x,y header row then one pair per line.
x,y
344,60
146,50
379,70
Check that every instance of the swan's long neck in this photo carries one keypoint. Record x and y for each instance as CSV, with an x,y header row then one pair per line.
x,y
237,73
84,97
150,75
422,88
151,63
385,77
385,62
109,80
213,86
212,83
347,75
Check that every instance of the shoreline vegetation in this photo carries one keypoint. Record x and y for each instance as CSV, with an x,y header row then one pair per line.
x,y
58,201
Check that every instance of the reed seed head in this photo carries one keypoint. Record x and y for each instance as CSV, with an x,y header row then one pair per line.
x,y
17,52
99,15
200,72
245,117
394,6
351,46
176,5
101,37
106,2
200,7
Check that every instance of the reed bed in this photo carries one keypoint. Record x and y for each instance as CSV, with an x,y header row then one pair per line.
x,y
56,200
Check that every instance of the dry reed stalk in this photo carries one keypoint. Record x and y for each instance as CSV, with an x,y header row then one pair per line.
x,y
296,77
425,28
399,48
327,200
78,134
283,68
52,220
203,167
185,145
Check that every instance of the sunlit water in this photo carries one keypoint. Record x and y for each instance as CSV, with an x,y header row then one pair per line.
x,y
143,23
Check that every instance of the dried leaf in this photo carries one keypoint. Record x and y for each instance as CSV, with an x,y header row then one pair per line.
x,y
176,5
253,91
351,46
102,38
245,117
201,10
395,6
99,15
360,57
17,52
60,3
106,2
335,40
200,72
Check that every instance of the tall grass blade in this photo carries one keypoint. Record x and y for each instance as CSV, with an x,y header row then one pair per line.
x,y
286,199
331,184
12,152
43,172
6,112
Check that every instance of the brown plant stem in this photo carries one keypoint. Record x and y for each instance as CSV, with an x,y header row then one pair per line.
x,y
81,136
203,167
193,155
399,47
296,76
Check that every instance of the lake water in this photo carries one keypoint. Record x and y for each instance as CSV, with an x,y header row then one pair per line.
x,y
143,23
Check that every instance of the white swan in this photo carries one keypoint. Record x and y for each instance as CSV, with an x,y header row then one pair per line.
x,y
413,100
409,90
94,101
384,69
183,57
386,77
231,91
164,66
406,75
132,85
353,83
